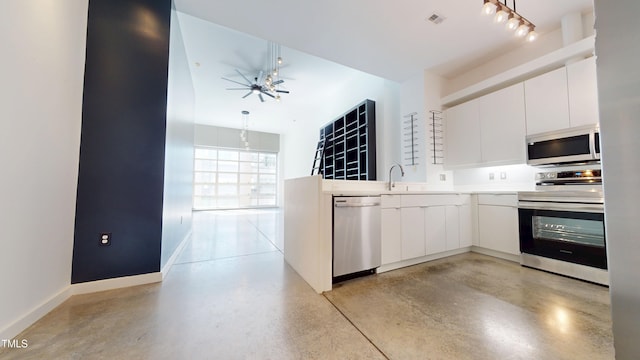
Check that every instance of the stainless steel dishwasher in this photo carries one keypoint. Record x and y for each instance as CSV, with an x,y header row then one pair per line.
x,y
356,236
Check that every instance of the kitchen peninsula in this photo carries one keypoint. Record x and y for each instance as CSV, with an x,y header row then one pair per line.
x,y
417,224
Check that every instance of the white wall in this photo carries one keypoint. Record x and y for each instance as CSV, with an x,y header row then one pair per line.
x,y
178,165
516,178
545,44
298,144
43,44
421,94
618,50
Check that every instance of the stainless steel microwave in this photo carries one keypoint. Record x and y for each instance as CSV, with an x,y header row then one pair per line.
x,y
567,146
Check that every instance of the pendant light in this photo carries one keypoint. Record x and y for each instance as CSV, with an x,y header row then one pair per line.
x,y
522,27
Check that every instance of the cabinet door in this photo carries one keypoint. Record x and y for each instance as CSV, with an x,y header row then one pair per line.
x,y
465,225
391,233
583,92
412,232
435,229
452,218
498,228
547,102
503,128
462,135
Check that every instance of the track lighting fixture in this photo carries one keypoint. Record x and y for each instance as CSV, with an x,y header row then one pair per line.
x,y
514,21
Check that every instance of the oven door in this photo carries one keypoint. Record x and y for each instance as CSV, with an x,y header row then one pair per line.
x,y
564,231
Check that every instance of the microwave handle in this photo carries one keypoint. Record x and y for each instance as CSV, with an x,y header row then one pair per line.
x,y
592,143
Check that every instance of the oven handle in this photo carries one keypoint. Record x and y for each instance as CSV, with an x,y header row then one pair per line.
x,y
580,207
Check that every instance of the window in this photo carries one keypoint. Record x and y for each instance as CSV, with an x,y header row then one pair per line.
x,y
231,179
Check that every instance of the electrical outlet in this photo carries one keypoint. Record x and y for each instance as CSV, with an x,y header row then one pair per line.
x,y
105,239
503,175
443,177
491,176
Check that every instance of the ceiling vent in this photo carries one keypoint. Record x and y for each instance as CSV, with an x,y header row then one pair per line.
x,y
436,19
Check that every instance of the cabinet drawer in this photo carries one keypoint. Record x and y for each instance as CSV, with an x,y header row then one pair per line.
x,y
498,199
430,200
390,201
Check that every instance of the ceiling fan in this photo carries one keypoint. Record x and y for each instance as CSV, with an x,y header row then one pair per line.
x,y
261,85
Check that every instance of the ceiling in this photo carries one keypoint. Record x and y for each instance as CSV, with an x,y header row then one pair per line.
x,y
376,37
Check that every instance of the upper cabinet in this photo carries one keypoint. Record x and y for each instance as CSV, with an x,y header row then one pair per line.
x,y
547,102
462,130
502,130
583,92
489,130
563,98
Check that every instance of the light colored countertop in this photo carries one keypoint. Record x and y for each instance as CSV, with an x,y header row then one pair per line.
x,y
376,188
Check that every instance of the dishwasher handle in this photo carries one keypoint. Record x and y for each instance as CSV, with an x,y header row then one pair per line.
x,y
347,203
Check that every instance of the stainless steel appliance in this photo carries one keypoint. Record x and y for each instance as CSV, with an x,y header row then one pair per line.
x,y
356,236
562,224
574,145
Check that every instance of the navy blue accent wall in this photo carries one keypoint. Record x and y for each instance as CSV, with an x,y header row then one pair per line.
x,y
122,150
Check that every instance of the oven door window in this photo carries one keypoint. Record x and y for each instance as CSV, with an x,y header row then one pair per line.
x,y
578,231
572,236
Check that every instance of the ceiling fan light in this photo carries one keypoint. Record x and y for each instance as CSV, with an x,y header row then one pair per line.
x,y
489,8
513,23
256,91
522,31
532,36
501,16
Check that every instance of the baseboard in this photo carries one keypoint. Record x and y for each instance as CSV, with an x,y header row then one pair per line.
x,y
115,283
167,267
497,254
35,314
418,260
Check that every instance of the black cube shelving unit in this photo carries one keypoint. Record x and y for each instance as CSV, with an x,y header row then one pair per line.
x,y
350,150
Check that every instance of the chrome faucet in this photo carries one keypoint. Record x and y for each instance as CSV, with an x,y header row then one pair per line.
x,y
391,184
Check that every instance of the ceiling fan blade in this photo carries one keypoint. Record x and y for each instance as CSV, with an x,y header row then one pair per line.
x,y
233,81
266,93
249,93
278,82
283,91
244,77
261,98
244,88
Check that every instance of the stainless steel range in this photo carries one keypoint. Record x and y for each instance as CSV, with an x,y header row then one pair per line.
x,y
562,224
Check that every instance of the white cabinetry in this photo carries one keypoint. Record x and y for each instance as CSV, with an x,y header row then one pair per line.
x,y
391,229
502,130
547,102
498,223
489,130
435,223
583,92
462,135
414,226
452,227
563,98
466,223
413,244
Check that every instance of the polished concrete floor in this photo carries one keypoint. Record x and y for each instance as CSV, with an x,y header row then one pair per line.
x,y
231,296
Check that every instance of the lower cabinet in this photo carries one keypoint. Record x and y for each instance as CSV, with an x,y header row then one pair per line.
x,y
498,223
413,232
435,224
465,222
424,225
391,234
